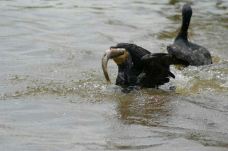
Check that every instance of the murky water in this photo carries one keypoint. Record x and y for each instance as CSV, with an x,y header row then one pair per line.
x,y
54,96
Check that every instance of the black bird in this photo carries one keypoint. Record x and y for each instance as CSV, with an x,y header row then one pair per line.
x,y
137,66
184,51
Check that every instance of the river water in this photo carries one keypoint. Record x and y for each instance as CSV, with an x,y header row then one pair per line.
x,y
53,95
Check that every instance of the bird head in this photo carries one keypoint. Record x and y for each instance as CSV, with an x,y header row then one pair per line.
x,y
120,56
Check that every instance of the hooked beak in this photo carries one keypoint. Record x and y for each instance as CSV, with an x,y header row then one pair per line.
x,y
117,54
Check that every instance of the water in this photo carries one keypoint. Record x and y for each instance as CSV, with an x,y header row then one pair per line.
x,y
53,95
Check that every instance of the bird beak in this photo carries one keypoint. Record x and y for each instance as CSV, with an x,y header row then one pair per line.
x,y
117,54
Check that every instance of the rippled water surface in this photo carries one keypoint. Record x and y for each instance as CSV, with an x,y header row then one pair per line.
x,y
53,95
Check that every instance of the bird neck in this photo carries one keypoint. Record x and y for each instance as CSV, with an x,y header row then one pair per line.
x,y
183,34
186,18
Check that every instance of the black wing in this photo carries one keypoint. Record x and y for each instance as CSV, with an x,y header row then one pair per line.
x,y
156,70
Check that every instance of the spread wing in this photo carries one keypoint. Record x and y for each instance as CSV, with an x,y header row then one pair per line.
x,y
156,70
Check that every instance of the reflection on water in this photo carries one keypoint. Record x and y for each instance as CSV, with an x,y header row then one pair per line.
x,y
53,95
143,109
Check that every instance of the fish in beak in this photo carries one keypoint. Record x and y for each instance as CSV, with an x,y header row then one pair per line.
x,y
119,55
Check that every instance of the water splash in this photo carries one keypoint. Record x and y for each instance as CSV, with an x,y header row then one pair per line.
x,y
194,80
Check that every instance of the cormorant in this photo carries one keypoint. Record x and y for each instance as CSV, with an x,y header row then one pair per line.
x,y
137,66
185,52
